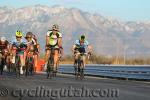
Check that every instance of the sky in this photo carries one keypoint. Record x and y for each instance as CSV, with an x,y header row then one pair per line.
x,y
126,10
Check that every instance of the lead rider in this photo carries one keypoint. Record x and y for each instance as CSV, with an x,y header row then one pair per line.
x,y
53,40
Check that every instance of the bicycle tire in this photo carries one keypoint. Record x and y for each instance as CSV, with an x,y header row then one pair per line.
x,y
29,68
17,65
50,65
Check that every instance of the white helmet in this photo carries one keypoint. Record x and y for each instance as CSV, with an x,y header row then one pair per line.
x,y
3,39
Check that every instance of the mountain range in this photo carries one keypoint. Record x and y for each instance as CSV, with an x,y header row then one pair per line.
x,y
107,35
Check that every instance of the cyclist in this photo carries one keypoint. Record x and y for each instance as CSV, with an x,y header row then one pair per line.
x,y
53,40
80,46
4,50
32,47
18,46
36,50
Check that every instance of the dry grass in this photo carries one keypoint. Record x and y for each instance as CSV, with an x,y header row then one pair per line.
x,y
102,59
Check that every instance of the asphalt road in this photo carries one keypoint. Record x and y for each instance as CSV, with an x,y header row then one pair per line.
x,y
65,87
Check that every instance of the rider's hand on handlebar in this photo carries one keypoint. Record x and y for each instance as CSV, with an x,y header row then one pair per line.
x,y
90,53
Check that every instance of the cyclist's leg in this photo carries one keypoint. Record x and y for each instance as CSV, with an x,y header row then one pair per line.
x,y
47,55
8,63
60,53
56,55
35,61
32,67
22,59
13,58
84,60
75,58
78,59
75,63
83,65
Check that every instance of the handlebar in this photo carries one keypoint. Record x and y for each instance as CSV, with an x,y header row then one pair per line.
x,y
82,53
18,48
86,54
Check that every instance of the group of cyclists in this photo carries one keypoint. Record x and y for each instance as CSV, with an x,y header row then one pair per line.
x,y
19,49
22,48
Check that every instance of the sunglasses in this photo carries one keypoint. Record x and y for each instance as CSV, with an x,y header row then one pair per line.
x,y
18,37
28,37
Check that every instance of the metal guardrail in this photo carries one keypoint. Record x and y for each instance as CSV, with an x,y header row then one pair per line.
x,y
140,72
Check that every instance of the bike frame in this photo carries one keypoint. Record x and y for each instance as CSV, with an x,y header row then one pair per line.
x,y
50,64
29,64
17,64
79,66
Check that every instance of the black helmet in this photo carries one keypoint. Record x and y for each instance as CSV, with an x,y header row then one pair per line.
x,y
29,34
82,37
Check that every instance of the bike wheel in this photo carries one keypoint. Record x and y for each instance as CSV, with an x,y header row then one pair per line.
x,y
30,66
49,69
82,70
17,66
27,69
31,69
75,68
78,68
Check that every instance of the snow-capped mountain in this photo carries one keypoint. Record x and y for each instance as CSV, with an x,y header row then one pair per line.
x,y
107,35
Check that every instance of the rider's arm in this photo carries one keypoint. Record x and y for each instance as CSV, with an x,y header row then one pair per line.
x,y
89,47
60,42
47,38
73,48
28,48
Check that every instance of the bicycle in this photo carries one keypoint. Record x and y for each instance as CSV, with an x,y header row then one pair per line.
x,y
17,64
29,68
51,72
79,65
18,61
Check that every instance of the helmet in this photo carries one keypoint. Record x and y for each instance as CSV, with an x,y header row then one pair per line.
x,y
55,27
3,39
19,34
82,37
29,34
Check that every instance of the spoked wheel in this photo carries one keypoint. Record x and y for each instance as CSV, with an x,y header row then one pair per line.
x,y
76,71
13,68
75,68
80,70
50,69
54,72
29,68
17,66
17,70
